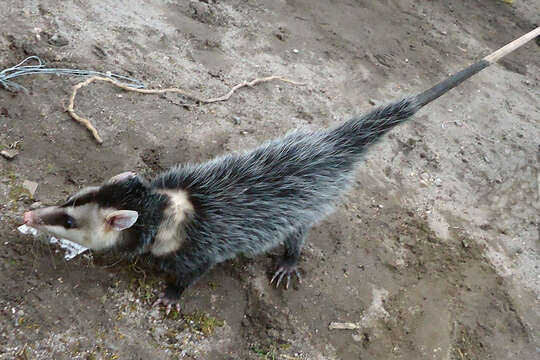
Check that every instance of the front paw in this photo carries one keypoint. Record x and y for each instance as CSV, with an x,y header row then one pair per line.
x,y
170,297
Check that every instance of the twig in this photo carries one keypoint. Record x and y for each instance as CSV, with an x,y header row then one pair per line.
x,y
86,123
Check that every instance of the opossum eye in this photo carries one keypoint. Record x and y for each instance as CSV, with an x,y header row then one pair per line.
x,y
69,222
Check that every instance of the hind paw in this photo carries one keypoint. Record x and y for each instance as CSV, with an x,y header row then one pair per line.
x,y
286,269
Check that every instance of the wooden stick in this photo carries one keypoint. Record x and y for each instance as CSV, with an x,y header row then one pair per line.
x,y
508,48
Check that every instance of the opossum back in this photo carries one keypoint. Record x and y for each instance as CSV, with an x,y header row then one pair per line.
x,y
254,199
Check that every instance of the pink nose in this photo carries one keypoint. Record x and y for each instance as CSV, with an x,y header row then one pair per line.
x,y
28,218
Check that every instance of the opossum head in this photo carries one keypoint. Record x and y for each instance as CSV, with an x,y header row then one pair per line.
x,y
96,217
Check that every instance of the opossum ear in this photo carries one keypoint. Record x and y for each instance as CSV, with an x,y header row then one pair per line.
x,y
121,177
122,219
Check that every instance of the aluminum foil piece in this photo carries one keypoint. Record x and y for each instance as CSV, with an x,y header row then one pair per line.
x,y
71,249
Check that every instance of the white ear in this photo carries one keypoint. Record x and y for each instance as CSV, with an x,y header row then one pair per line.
x,y
122,219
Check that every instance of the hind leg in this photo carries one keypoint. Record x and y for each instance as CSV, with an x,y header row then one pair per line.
x,y
289,263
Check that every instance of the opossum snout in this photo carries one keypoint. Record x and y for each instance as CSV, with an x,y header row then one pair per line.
x,y
30,219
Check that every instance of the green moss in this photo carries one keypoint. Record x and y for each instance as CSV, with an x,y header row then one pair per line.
x,y
174,314
18,192
203,322
269,350
264,352
51,169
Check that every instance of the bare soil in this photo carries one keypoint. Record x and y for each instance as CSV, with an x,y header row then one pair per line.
x,y
434,254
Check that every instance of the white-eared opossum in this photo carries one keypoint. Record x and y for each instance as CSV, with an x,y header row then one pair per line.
x,y
193,217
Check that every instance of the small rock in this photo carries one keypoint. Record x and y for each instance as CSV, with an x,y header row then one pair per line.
x,y
281,33
372,102
35,205
154,314
465,243
273,333
9,154
58,40
243,132
438,182
31,186
296,51
236,120
342,326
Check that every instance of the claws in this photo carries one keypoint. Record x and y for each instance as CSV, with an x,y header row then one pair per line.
x,y
169,303
285,270
169,307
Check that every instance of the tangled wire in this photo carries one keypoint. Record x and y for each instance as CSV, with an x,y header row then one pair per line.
x,y
22,69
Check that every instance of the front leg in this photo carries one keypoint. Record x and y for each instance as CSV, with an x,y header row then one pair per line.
x,y
184,268
169,297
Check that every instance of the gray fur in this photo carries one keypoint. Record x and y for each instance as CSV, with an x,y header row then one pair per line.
x,y
252,202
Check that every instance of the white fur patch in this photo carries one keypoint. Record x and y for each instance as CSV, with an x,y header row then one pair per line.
x,y
170,235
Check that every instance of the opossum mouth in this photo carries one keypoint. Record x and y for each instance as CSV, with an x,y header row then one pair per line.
x,y
30,219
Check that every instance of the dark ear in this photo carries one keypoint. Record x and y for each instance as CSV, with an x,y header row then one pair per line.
x,y
122,219
121,177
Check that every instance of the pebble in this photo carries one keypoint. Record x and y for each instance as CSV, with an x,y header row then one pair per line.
x,y
154,314
342,326
438,182
9,154
35,205
31,186
58,40
296,51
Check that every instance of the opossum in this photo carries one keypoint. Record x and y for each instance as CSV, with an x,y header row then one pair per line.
x,y
194,216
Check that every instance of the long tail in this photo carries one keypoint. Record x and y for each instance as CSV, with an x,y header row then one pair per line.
x,y
357,133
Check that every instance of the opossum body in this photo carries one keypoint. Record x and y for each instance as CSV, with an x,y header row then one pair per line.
x,y
195,216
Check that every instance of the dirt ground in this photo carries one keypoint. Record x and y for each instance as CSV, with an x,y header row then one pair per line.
x,y
434,254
